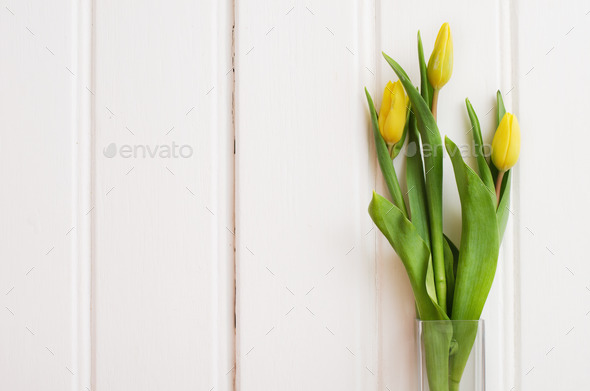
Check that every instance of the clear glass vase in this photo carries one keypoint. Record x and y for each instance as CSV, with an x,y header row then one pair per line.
x,y
451,355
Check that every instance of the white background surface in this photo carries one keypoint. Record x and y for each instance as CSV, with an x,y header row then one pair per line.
x,y
261,270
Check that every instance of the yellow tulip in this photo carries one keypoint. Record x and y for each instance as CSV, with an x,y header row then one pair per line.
x,y
440,65
506,143
392,114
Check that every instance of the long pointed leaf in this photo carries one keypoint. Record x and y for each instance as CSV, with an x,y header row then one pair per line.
x,y
434,173
399,145
415,182
450,273
455,252
500,111
478,255
482,164
425,87
414,253
385,161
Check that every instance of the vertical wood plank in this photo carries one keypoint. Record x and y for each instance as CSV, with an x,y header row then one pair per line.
x,y
163,254
44,290
481,66
552,214
306,312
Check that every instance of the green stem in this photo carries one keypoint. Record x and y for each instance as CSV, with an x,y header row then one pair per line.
x,y
434,102
499,185
438,263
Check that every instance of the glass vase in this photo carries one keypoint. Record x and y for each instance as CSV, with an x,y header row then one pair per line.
x,y
451,355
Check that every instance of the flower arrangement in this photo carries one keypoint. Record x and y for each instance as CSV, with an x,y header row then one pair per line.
x,y
449,282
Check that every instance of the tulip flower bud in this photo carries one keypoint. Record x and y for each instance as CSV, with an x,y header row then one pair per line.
x,y
440,65
392,114
506,143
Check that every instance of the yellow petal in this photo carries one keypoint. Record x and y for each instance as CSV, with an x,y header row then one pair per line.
x,y
440,64
506,143
385,105
396,118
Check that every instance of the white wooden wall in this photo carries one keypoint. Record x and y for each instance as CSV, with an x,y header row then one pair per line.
x,y
260,269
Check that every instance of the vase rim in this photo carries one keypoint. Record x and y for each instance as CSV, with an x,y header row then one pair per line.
x,y
451,320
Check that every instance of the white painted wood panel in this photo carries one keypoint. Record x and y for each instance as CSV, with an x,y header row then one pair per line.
x,y
163,233
306,290
44,326
551,82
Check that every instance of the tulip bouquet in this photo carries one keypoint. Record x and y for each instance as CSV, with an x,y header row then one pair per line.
x,y
449,282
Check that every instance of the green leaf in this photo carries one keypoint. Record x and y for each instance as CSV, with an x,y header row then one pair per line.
x,y
385,161
478,255
455,251
464,333
414,253
398,146
500,111
482,164
450,273
425,87
415,182
436,339
433,165
503,211
500,108
479,248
